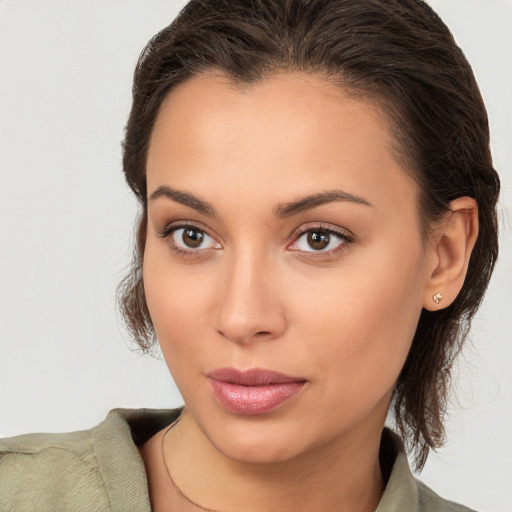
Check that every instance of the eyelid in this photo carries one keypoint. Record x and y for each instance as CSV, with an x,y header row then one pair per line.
x,y
322,226
173,226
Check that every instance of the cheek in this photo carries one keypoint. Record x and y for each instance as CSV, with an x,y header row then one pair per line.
x,y
175,301
360,319
174,306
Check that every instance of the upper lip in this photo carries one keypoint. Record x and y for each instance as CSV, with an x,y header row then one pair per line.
x,y
251,377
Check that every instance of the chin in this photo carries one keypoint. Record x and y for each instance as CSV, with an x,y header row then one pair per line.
x,y
257,452
256,442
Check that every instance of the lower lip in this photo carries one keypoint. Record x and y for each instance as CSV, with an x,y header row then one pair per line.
x,y
252,400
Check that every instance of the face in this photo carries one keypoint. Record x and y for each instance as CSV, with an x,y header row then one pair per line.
x,y
284,267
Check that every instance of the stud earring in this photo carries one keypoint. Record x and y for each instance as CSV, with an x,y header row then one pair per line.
x,y
437,297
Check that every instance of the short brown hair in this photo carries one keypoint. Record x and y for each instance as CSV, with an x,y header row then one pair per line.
x,y
397,53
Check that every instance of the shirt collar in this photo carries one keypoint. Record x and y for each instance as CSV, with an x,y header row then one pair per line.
x,y
401,492
115,442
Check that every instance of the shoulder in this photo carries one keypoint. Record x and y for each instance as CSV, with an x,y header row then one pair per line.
x,y
429,501
403,491
95,469
34,466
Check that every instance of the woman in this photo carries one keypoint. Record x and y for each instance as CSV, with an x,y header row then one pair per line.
x,y
318,228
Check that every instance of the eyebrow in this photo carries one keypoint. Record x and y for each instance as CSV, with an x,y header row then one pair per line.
x,y
184,198
285,210
282,210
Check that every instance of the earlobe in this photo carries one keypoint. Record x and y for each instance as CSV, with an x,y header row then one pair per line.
x,y
451,248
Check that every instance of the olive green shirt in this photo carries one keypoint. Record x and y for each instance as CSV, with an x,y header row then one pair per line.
x,y
101,469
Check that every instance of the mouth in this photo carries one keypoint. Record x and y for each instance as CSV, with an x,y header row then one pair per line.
x,y
254,391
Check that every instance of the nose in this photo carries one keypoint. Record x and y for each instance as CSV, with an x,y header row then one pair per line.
x,y
249,304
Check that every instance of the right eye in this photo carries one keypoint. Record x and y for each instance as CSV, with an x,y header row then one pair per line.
x,y
186,239
192,238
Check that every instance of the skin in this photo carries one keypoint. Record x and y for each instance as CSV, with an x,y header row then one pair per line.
x,y
256,294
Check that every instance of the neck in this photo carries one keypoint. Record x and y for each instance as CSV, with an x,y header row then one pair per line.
x,y
343,475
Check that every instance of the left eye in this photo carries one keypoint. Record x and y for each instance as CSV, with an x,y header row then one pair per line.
x,y
319,240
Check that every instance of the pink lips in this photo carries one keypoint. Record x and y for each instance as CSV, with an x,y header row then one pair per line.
x,y
253,391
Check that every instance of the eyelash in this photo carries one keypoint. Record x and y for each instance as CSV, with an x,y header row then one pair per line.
x,y
344,238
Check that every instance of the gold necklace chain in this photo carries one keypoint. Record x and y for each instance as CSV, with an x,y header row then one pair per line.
x,y
179,491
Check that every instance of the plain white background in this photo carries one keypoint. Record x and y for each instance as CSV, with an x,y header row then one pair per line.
x,y
66,221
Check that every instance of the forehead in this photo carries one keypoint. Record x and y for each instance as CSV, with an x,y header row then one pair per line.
x,y
292,133
286,102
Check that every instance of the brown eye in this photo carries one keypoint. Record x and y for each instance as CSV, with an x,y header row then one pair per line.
x,y
192,237
323,241
318,240
189,239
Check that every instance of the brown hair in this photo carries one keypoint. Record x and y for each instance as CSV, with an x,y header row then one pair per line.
x,y
397,53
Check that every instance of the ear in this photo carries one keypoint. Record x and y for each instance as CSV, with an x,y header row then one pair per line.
x,y
450,248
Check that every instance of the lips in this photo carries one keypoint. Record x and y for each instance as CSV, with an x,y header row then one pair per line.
x,y
253,391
